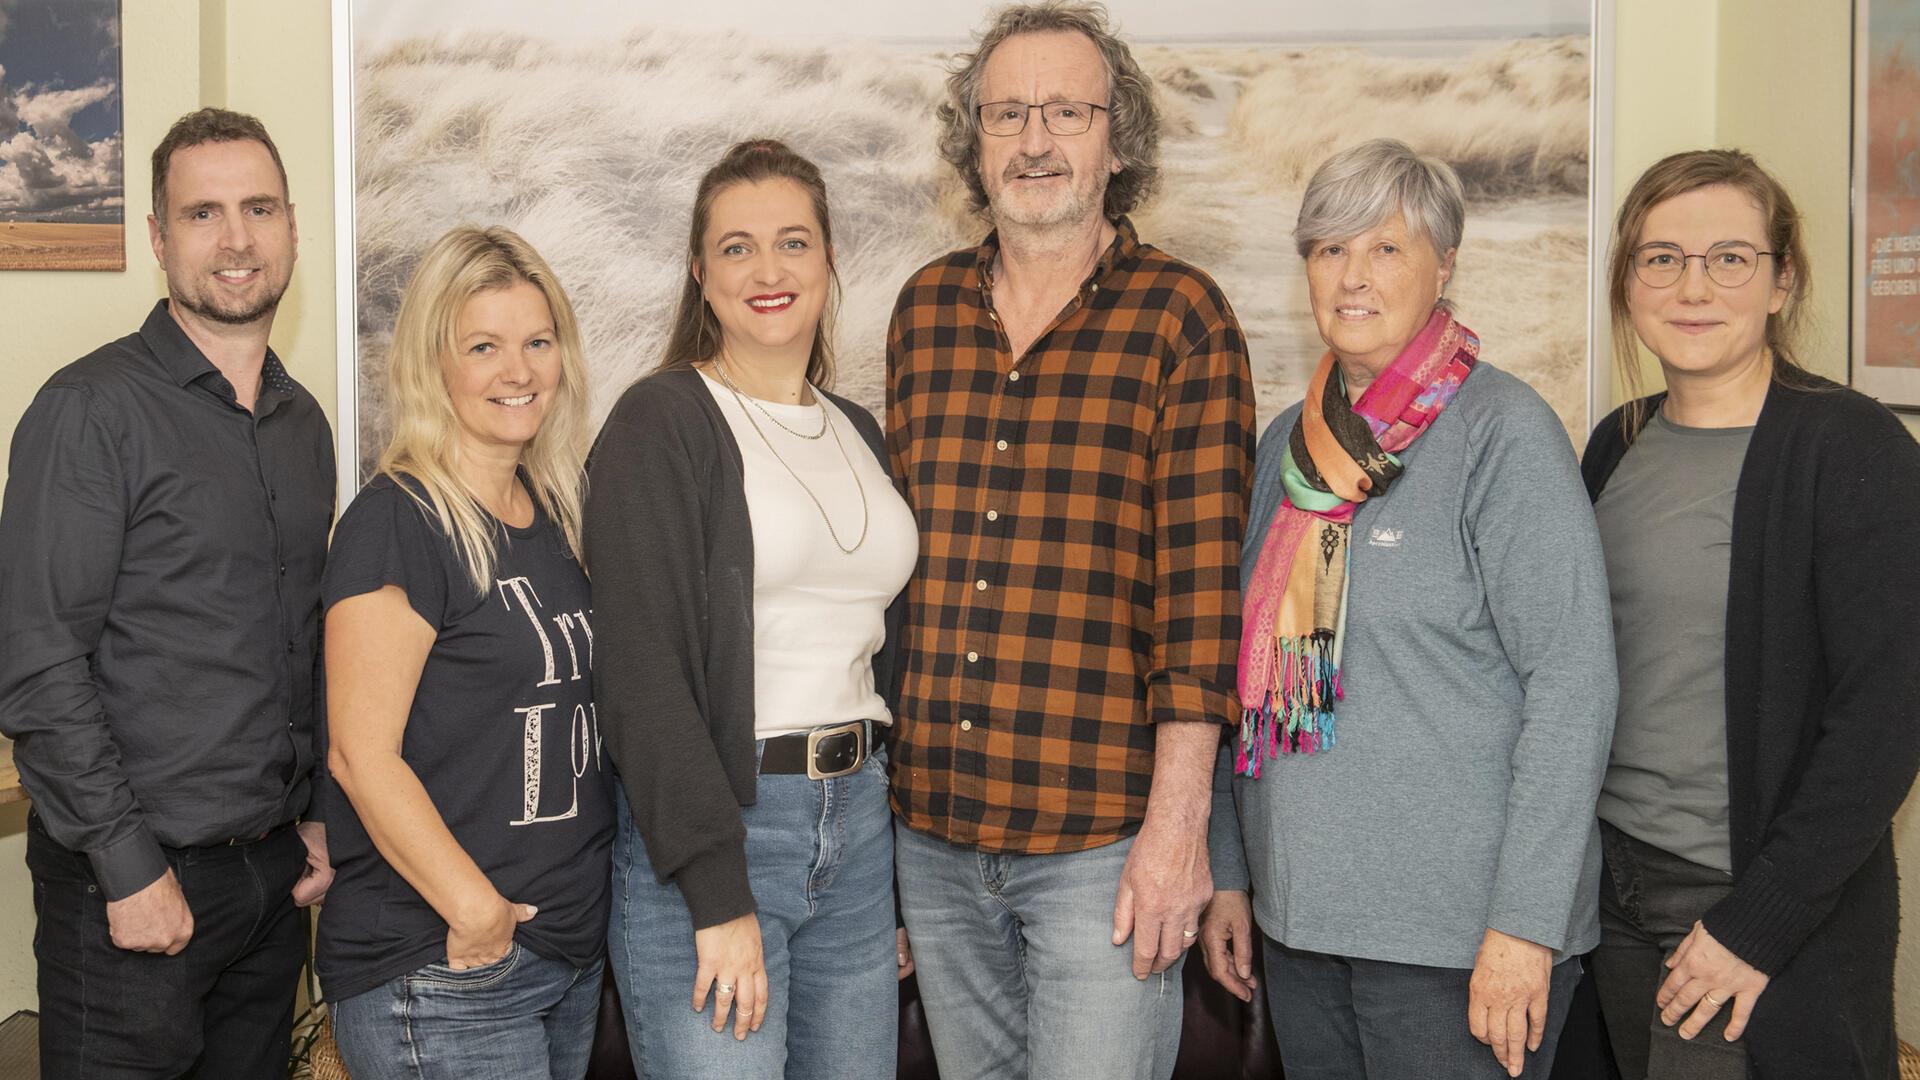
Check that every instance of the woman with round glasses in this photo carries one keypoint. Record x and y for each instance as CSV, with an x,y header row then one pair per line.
x,y
746,545
1758,523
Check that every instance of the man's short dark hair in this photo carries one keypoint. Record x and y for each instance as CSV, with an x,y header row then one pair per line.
x,y
208,125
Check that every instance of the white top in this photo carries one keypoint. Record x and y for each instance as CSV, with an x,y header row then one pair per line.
x,y
819,614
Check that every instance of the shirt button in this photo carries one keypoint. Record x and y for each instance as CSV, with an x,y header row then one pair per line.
x,y
289,646
966,725
980,585
1013,376
973,657
993,515
283,569
1001,445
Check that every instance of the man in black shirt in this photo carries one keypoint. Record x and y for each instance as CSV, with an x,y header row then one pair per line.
x,y
161,542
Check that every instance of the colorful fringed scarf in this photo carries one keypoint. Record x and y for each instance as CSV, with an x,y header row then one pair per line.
x,y
1295,605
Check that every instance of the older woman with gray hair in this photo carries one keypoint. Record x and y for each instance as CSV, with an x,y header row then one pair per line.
x,y
1426,673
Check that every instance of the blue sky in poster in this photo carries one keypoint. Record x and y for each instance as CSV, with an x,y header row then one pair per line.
x,y
60,111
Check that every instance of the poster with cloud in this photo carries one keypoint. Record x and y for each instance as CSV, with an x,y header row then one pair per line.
x,y
585,124
62,193
1886,207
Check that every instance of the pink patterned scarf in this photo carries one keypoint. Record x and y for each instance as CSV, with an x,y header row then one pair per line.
x,y
1294,605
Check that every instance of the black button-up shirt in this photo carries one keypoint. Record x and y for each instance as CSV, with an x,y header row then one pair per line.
x,y
160,558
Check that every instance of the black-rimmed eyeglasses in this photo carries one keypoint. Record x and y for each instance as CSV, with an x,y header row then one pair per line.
x,y
1730,264
1005,118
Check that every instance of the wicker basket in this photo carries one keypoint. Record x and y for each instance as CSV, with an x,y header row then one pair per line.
x,y
1909,1062
324,1058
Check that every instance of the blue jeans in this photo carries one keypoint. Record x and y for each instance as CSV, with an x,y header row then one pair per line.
x,y
820,862
520,1017
1345,1018
1018,970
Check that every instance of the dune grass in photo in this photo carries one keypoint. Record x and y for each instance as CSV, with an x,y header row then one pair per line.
x,y
593,152
36,245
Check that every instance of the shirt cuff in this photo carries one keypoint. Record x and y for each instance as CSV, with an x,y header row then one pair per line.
x,y
129,864
1548,932
1173,696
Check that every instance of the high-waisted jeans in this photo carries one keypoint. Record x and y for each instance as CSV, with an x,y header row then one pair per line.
x,y
820,862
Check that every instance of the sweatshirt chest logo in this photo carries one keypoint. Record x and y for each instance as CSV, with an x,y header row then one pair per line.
x,y
1385,538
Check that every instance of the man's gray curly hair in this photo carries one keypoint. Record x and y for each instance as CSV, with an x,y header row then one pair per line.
x,y
1133,117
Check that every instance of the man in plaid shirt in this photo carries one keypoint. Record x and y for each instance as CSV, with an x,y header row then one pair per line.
x,y
1071,413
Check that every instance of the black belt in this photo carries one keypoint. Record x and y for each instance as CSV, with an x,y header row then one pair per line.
x,y
822,754
240,841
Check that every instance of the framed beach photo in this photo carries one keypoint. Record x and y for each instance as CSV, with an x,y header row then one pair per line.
x,y
1885,358
62,180
585,124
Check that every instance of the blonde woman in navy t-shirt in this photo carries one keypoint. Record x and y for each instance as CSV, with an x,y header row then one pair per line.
x,y
465,933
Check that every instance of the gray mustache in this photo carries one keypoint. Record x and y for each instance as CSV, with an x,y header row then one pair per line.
x,y
1051,164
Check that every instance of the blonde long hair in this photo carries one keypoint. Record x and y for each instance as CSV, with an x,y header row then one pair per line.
x,y
422,456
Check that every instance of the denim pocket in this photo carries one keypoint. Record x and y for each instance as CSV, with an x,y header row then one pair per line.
x,y
470,978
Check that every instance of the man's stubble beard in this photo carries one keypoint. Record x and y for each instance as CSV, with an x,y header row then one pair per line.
x,y
204,306
1078,207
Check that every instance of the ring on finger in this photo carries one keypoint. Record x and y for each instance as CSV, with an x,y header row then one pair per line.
x,y
1189,934
1711,1000
724,988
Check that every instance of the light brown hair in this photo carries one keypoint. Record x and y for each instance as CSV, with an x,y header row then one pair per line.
x,y
1679,174
1133,119
696,329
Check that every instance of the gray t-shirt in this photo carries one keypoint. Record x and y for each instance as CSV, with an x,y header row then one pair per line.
x,y
1666,522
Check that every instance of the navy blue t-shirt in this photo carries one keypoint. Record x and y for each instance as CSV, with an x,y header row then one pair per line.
x,y
502,734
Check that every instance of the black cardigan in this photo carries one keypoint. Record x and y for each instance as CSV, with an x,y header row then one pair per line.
x,y
669,545
1823,692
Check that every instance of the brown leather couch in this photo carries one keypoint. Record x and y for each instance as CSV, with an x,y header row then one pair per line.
x,y
1222,1039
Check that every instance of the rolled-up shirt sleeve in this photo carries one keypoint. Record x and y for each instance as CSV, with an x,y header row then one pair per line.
x,y
1202,476
62,524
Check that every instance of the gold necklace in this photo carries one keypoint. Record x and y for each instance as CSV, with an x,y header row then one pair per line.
x,y
826,424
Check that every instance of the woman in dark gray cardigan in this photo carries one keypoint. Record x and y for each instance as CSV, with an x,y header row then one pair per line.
x,y
1759,528
746,545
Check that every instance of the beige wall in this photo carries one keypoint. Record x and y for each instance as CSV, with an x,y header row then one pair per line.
x,y
268,59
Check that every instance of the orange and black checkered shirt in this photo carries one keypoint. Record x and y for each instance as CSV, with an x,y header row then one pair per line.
x,y
1080,511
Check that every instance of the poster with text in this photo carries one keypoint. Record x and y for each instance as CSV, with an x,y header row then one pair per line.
x,y
62,191
1886,210
585,125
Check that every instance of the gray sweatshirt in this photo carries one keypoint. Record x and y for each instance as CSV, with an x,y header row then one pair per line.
x,y
1480,687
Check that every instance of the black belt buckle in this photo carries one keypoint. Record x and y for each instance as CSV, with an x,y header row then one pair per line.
x,y
836,751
